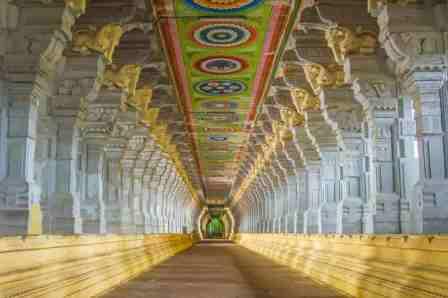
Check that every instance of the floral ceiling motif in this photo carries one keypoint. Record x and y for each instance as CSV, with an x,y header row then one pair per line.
x,y
222,55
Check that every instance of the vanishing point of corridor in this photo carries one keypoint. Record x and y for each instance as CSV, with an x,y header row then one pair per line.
x,y
221,269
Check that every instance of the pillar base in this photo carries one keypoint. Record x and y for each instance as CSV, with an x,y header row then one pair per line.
x,y
429,207
13,222
311,221
327,218
349,216
19,215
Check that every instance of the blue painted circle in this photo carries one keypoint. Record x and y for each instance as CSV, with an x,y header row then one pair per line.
x,y
220,87
236,6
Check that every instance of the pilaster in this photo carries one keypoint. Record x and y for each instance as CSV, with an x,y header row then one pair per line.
x,y
311,216
429,206
92,186
65,202
20,195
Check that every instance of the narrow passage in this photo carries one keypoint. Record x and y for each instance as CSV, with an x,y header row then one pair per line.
x,y
220,270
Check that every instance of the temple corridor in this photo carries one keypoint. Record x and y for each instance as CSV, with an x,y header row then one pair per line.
x,y
221,270
223,148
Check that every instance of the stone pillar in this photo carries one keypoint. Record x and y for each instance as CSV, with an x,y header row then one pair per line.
x,y
45,172
302,203
162,201
257,193
407,164
292,204
430,204
126,212
138,200
159,204
92,204
268,194
65,212
329,192
112,177
353,191
376,90
153,205
386,170
311,220
416,46
20,209
171,194
3,129
146,193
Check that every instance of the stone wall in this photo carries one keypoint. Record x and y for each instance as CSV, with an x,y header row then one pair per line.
x,y
361,265
79,266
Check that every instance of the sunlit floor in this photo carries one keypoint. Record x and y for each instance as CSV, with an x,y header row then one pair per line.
x,y
219,269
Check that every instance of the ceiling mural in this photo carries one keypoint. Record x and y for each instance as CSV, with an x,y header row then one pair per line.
x,y
222,55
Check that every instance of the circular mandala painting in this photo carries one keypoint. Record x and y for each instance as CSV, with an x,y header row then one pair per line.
x,y
221,65
220,105
223,35
220,87
222,5
217,138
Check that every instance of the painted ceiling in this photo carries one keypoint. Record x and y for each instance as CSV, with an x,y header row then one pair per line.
x,y
222,54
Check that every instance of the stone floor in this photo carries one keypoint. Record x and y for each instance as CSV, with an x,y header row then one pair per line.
x,y
221,270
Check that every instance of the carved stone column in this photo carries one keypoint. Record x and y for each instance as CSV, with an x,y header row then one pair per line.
x,y
311,189
376,91
45,170
302,202
146,192
324,138
153,191
430,205
138,199
3,128
161,197
269,198
112,186
353,191
311,216
127,197
292,205
31,48
92,204
65,214
154,205
407,165
20,210
385,200
345,114
417,53
329,192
